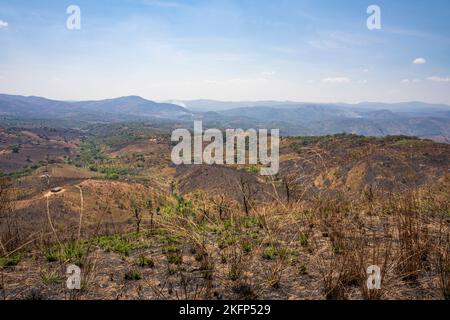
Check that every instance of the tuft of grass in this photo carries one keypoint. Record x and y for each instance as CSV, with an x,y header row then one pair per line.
x,y
72,252
173,254
207,269
269,253
122,244
10,261
302,269
132,275
235,265
170,249
275,274
175,258
228,239
303,239
50,277
223,259
52,254
165,238
234,272
247,247
144,262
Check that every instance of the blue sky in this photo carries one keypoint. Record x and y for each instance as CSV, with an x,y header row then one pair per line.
x,y
317,51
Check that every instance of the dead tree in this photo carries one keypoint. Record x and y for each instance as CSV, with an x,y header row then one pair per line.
x,y
149,207
136,209
245,190
221,204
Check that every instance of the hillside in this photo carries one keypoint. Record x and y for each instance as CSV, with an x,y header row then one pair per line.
x,y
111,110
142,228
107,197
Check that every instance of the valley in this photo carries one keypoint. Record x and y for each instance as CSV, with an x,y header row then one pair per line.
x,y
108,198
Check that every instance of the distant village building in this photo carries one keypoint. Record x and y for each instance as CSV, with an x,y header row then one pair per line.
x,y
56,190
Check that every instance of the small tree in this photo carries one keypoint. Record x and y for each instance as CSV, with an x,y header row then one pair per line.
x,y
137,209
221,205
246,194
149,207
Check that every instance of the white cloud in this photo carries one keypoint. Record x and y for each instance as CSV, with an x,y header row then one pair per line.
x,y
420,61
268,73
410,80
3,24
336,80
439,79
178,103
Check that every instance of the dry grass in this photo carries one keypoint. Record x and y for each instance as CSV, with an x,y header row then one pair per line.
x,y
210,247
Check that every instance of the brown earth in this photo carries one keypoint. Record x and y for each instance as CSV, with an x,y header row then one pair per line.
x,y
333,196
21,148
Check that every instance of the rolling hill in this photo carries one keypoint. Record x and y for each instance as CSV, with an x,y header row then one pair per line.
x,y
119,109
419,119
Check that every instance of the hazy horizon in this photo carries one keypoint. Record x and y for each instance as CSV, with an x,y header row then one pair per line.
x,y
181,101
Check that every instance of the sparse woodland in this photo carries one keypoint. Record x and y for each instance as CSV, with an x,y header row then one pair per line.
x,y
309,233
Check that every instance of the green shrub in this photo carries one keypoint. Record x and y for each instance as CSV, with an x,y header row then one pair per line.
x,y
302,269
52,254
175,258
132,275
72,252
144,262
303,239
10,261
49,277
122,244
247,247
234,272
269,253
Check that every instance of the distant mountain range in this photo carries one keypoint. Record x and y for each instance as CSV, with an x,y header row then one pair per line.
x,y
119,109
367,118
293,118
